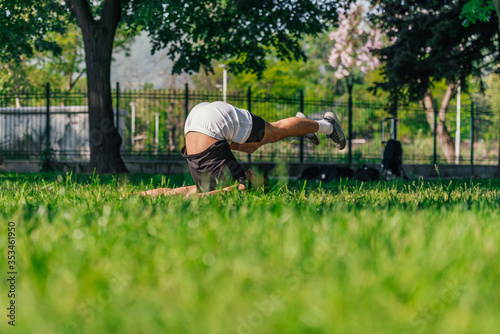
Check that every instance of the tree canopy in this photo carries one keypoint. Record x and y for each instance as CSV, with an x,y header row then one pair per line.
x,y
24,26
431,43
239,32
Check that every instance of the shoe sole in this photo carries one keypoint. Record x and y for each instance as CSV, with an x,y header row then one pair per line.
x,y
314,136
337,129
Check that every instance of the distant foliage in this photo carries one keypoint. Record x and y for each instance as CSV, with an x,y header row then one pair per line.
x,y
477,11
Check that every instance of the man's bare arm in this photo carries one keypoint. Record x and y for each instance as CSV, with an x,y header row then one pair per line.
x,y
186,191
155,192
239,187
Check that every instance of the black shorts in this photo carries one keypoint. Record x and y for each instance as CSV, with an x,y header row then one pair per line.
x,y
214,167
258,129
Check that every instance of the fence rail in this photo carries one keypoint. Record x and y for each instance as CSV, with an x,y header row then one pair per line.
x,y
41,124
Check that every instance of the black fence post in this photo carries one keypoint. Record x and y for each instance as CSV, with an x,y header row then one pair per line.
x,y
349,116
435,131
186,101
46,166
249,106
472,136
117,105
301,138
394,113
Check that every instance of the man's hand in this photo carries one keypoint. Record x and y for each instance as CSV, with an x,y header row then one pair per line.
x,y
258,180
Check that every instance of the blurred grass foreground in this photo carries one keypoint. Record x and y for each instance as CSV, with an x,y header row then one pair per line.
x,y
346,257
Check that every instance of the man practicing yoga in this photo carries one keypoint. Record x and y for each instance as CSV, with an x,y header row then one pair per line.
x,y
212,130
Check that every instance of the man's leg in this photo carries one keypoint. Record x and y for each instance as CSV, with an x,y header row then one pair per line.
x,y
296,127
276,131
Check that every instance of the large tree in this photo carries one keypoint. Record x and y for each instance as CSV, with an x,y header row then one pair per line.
x,y
432,43
481,11
195,32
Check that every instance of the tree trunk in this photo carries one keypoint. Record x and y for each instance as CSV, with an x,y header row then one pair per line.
x,y
496,4
105,141
443,136
98,36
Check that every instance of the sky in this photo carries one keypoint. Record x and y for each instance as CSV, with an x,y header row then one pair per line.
x,y
133,71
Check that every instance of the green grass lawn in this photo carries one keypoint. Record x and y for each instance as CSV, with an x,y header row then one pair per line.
x,y
346,257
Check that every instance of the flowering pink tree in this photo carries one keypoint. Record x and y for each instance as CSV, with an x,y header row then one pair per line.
x,y
354,41
352,53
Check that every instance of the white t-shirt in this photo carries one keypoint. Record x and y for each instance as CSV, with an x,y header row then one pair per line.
x,y
220,120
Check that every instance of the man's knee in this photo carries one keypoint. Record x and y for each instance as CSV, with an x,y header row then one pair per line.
x,y
250,148
270,137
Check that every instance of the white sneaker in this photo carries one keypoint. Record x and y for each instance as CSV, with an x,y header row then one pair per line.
x,y
338,135
312,137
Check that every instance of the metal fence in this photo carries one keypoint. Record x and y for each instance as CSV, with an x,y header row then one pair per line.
x,y
37,124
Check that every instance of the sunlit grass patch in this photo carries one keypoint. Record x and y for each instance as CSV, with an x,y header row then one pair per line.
x,y
343,257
